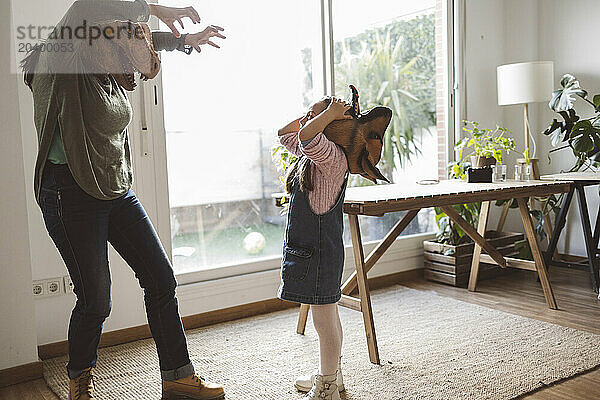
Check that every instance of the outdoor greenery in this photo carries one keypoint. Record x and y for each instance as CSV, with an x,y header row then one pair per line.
x,y
225,246
392,66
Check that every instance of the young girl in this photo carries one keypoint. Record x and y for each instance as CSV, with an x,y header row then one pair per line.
x,y
313,257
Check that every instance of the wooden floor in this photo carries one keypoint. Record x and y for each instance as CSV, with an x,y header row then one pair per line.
x,y
518,292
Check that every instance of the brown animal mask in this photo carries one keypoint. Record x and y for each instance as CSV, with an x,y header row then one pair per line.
x,y
124,49
361,138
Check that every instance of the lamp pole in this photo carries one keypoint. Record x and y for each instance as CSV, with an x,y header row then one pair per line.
x,y
526,126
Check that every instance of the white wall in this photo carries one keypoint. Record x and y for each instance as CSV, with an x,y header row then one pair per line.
x,y
484,50
17,326
508,31
568,32
497,32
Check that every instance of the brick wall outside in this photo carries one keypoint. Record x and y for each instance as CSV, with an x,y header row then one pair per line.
x,y
441,78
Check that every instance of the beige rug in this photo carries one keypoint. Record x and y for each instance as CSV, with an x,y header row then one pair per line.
x,y
431,348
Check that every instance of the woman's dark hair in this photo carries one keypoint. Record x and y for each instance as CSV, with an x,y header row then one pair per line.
x,y
301,169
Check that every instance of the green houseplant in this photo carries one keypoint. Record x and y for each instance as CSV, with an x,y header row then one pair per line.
x,y
581,135
486,144
448,258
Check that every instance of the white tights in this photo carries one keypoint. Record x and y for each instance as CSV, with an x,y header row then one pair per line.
x,y
329,328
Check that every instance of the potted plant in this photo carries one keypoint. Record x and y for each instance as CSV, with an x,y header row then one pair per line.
x,y
448,258
486,144
581,135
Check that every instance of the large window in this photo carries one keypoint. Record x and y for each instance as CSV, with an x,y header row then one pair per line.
x,y
387,50
222,110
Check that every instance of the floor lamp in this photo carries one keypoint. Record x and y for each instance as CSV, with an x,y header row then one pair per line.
x,y
524,83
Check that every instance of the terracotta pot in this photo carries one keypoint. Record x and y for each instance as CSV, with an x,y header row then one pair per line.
x,y
478,161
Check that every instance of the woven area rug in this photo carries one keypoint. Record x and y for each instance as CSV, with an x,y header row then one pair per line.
x,y
431,347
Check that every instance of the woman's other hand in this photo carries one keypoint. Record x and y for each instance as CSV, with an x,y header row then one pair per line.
x,y
169,15
198,39
337,109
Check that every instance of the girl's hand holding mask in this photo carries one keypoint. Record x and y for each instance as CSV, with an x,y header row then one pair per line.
x,y
337,109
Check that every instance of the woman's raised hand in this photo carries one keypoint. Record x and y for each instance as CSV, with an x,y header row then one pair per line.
x,y
337,109
169,15
198,39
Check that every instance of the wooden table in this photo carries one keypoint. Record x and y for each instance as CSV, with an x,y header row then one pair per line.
x,y
579,181
382,199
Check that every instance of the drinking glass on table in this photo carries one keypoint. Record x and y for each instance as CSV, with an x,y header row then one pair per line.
x,y
518,172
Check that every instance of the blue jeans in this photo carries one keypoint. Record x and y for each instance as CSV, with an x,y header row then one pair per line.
x,y
81,227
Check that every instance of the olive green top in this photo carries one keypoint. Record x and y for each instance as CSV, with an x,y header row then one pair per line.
x,y
56,154
88,114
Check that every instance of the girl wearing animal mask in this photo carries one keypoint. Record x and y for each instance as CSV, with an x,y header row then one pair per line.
x,y
83,177
313,256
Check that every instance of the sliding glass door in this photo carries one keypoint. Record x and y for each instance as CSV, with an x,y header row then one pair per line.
x,y
387,49
222,109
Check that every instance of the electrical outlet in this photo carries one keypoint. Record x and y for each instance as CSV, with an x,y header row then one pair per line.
x,y
68,284
54,286
39,289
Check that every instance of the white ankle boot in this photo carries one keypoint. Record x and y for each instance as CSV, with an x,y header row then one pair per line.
x,y
305,383
324,388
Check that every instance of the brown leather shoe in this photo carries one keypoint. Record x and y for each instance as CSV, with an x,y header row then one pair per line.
x,y
192,387
82,387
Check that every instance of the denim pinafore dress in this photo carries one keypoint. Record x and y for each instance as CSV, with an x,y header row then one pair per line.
x,y
313,251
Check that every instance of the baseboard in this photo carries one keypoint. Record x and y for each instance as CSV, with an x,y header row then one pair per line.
x,y
132,334
21,373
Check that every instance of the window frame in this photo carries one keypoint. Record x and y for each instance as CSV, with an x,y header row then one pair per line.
x,y
148,140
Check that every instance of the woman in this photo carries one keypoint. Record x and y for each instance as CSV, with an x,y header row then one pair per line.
x,y
83,178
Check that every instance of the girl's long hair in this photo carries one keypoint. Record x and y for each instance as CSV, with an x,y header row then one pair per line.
x,y
301,170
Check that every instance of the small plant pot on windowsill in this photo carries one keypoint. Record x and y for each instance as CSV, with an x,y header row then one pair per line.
x,y
452,264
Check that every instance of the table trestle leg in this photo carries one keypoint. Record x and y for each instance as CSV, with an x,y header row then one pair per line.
x,y
481,228
503,215
587,234
561,219
350,284
302,317
597,233
363,289
537,253
473,234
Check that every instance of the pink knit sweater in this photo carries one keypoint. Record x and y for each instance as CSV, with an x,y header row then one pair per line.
x,y
328,169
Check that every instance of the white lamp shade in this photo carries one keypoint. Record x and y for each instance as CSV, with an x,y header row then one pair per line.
x,y
529,82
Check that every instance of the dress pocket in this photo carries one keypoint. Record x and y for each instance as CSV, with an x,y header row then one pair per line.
x,y
296,262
